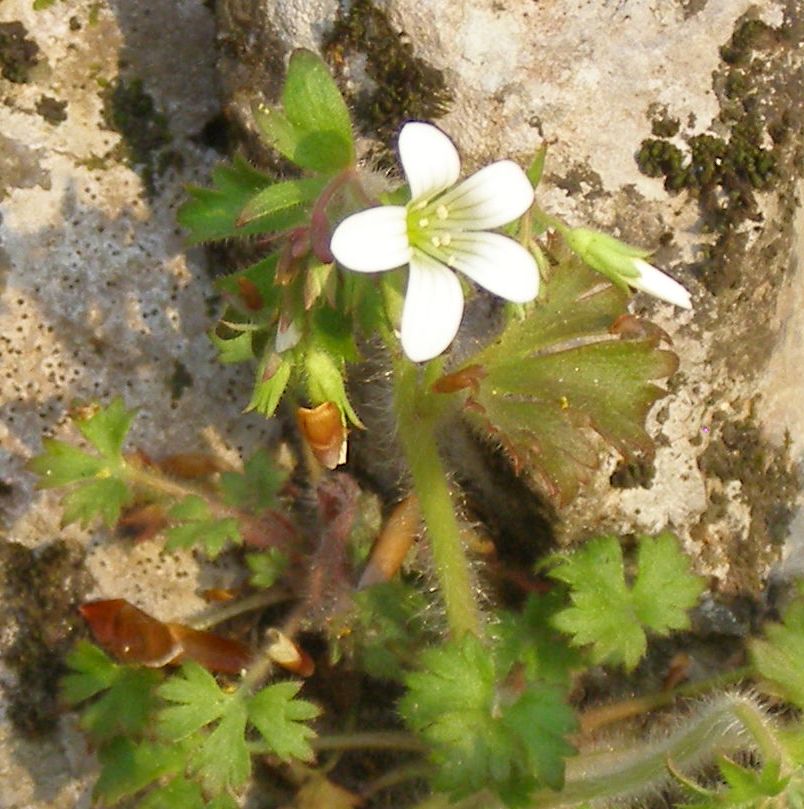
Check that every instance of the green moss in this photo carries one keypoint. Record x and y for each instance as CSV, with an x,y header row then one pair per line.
x,y
52,110
131,111
18,54
636,474
769,487
406,86
40,591
724,170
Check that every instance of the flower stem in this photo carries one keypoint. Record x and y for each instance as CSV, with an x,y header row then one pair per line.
x,y
418,413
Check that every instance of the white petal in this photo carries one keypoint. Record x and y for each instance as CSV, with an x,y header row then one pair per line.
x,y
433,308
501,265
372,240
429,159
494,196
662,286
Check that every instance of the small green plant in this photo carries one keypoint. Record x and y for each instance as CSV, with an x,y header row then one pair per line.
x,y
482,703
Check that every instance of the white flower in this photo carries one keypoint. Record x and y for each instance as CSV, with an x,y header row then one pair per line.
x,y
443,228
625,264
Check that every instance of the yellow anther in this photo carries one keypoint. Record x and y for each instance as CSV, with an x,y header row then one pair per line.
x,y
442,212
435,241
424,222
446,239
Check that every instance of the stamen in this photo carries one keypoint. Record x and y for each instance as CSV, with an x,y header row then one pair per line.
x,y
435,241
424,222
442,212
446,239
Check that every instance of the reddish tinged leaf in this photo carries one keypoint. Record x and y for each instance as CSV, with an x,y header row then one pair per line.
x,y
190,465
557,377
142,522
467,378
392,545
133,636
325,433
130,634
249,293
211,651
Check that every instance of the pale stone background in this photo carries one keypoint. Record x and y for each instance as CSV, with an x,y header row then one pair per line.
x,y
98,297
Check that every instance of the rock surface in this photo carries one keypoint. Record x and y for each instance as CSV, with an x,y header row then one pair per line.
x,y
98,297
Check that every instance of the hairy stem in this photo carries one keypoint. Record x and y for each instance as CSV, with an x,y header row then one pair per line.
x,y
417,413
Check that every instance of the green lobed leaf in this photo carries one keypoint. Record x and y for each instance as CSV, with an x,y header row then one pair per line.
x,y
128,766
779,658
198,527
609,616
281,720
747,788
530,639
102,498
107,429
223,760
485,733
556,376
91,671
256,489
61,463
125,707
266,567
179,793
388,631
197,698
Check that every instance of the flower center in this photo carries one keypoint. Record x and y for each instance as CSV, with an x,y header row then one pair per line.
x,y
430,230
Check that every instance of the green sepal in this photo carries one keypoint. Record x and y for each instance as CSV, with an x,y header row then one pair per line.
x,y
536,167
325,383
232,350
273,375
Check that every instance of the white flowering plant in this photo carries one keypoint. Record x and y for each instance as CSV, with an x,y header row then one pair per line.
x,y
484,699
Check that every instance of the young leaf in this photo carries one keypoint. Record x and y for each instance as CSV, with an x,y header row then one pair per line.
x,y
530,639
486,734
314,131
266,567
612,617
749,788
197,698
212,214
107,429
280,197
550,377
222,759
61,463
125,693
198,527
780,657
257,487
103,498
280,718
